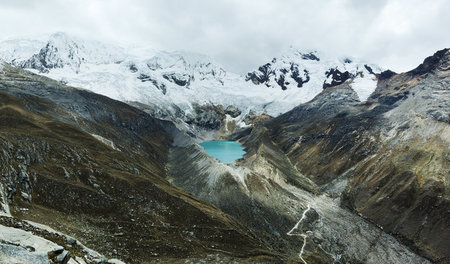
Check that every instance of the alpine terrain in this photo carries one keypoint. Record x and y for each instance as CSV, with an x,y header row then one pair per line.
x,y
100,161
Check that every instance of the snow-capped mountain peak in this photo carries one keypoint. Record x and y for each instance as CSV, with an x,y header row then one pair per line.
x,y
174,65
312,71
61,50
177,80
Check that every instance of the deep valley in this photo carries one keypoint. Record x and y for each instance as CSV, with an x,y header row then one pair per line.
x,y
350,174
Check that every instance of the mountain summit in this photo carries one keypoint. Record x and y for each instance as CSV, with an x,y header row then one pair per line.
x,y
164,78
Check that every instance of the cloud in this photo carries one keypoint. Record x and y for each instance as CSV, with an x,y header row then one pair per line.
x,y
241,35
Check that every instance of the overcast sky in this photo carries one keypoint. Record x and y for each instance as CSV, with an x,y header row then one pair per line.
x,y
243,34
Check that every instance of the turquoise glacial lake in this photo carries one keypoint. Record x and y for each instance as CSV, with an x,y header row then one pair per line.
x,y
224,151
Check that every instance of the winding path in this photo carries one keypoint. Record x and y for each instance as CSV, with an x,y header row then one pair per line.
x,y
304,236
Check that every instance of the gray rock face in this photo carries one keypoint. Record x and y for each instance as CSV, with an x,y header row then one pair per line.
x,y
265,72
336,77
21,255
208,117
146,78
71,241
439,61
327,104
178,79
248,119
232,111
46,59
59,255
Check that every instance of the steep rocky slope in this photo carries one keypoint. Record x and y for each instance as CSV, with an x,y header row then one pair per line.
x,y
93,168
388,157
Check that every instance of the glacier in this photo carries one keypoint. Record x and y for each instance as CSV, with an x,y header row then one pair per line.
x,y
173,81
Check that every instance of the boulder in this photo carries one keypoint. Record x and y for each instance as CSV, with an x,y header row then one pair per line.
x,y
59,255
232,111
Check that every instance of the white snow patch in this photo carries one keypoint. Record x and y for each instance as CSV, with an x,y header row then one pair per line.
x,y
115,261
143,75
228,120
105,141
20,49
364,86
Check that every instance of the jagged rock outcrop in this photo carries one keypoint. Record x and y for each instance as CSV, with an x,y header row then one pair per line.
x,y
178,79
208,117
296,69
439,61
267,72
59,255
232,111
336,77
158,85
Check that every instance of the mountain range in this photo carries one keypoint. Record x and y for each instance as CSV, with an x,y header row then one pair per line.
x,y
165,78
345,162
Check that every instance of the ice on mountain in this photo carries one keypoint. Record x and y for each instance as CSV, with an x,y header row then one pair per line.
x,y
160,78
364,86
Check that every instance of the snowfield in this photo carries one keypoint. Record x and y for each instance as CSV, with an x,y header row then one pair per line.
x,y
172,80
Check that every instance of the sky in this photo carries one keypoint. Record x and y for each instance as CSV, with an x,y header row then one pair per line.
x,y
243,34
